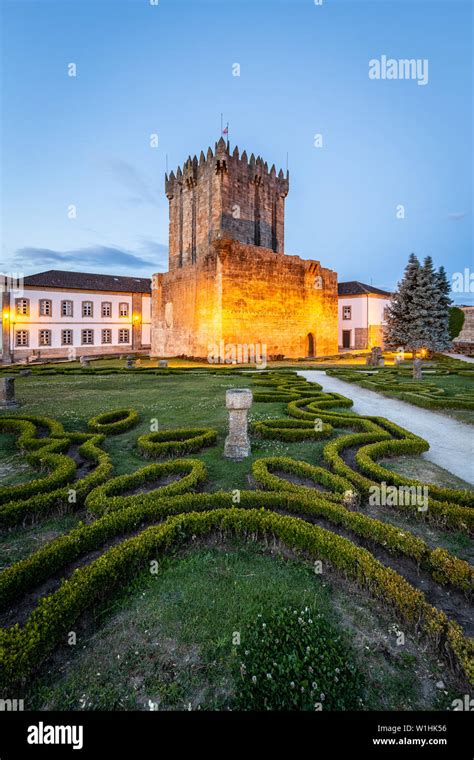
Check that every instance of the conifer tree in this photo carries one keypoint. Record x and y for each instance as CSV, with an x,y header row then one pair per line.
x,y
418,316
399,310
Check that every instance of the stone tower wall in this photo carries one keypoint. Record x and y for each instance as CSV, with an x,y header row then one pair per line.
x,y
245,295
224,195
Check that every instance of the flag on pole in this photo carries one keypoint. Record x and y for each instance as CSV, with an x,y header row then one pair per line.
x,y
225,131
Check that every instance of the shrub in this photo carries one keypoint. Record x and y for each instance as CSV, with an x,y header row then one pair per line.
x,y
114,422
176,441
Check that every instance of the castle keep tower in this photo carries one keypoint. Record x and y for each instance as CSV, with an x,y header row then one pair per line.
x,y
224,195
229,280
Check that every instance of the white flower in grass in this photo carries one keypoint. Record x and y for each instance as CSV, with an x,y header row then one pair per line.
x,y
292,684
314,685
322,697
269,676
254,679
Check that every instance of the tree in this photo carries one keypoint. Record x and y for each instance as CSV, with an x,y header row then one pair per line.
x,y
418,316
400,308
456,321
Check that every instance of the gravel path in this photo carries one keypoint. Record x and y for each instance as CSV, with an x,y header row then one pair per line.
x,y
451,442
461,357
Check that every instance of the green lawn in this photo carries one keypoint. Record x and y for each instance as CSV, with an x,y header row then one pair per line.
x,y
168,639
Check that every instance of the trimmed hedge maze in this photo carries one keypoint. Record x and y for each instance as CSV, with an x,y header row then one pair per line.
x,y
396,382
315,511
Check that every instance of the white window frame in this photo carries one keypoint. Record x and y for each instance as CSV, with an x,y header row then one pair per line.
x,y
45,307
107,342
106,306
24,343
67,342
121,335
22,307
66,306
48,334
87,342
87,306
123,309
349,308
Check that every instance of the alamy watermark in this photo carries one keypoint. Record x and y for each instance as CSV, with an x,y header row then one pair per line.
x,y
237,353
399,496
399,68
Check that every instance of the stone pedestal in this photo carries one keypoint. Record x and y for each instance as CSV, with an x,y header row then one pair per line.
x,y
238,401
7,393
163,363
417,364
84,361
25,372
129,362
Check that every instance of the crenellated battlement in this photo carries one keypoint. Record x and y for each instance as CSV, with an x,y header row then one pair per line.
x,y
222,160
224,194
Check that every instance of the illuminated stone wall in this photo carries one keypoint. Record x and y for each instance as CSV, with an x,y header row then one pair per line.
x,y
244,294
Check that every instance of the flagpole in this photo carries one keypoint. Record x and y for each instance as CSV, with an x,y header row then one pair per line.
x,y
221,125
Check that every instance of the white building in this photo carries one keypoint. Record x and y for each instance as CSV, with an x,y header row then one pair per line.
x,y
58,314
361,315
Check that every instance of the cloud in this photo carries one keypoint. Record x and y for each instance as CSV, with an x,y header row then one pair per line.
x,y
156,251
93,258
135,182
456,215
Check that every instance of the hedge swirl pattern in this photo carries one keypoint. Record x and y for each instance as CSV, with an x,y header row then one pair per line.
x,y
156,508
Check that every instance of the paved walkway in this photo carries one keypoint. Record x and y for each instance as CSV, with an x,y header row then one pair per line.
x,y
461,357
451,442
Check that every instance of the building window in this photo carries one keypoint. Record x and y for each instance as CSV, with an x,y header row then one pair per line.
x,y
22,337
87,309
23,307
124,336
106,309
123,309
66,309
87,337
45,307
66,337
106,336
347,312
44,337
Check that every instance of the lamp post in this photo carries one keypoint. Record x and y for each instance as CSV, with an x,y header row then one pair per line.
x,y
6,326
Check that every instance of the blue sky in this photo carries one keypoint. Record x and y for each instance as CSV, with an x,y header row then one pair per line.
x,y
167,69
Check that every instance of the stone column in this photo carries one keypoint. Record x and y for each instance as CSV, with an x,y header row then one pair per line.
x,y
7,393
238,401
417,369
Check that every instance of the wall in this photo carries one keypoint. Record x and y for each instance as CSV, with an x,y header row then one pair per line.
x,y
366,323
244,294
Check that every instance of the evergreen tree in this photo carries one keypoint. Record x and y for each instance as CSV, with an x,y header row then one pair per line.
x,y
399,311
443,335
418,316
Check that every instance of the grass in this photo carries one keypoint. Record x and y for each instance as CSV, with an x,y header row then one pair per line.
x,y
169,639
